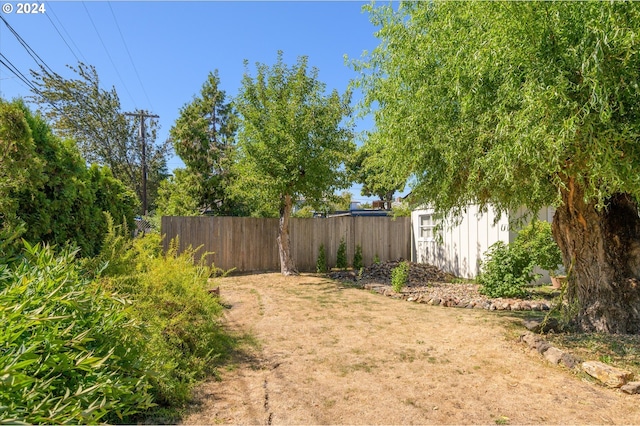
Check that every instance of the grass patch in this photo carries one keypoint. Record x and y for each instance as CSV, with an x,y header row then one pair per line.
x,y
545,292
359,366
619,350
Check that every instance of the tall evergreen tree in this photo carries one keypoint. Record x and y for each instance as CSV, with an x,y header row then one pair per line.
x,y
204,137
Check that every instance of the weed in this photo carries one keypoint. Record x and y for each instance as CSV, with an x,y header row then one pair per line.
x,y
605,359
376,259
400,276
502,420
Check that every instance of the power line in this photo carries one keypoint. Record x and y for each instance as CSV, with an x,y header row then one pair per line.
x,y
108,54
129,53
28,48
59,33
9,65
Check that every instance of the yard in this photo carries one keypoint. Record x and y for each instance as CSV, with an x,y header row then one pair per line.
x,y
319,352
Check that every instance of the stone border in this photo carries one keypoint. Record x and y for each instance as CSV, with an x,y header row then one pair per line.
x,y
607,375
457,302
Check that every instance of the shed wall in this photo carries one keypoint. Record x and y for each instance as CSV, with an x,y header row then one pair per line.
x,y
459,245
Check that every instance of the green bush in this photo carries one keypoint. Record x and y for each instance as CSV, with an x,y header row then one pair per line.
x,y
508,269
400,276
184,337
537,239
182,318
70,351
321,262
341,257
64,199
357,258
376,259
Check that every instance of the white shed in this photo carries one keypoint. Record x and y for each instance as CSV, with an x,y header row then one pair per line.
x,y
457,247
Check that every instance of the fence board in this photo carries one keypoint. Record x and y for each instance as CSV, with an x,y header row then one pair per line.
x,y
249,244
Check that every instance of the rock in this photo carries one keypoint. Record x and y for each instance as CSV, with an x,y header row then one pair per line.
x,y
631,388
418,273
542,326
570,361
535,342
553,355
542,346
530,339
532,325
611,376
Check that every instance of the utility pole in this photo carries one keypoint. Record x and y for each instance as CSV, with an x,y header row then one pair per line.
x,y
141,135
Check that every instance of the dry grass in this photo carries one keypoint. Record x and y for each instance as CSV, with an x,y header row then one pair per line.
x,y
330,354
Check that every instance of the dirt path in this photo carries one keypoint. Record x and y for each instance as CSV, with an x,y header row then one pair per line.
x,y
326,354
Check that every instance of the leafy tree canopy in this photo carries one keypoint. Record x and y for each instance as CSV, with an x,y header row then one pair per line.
x,y
523,104
293,140
372,167
506,101
80,109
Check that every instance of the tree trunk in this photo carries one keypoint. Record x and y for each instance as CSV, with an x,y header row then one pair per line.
x,y
287,265
601,251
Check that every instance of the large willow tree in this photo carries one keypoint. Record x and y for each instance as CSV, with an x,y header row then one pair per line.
x,y
524,104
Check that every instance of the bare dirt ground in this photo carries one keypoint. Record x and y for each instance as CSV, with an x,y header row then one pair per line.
x,y
324,353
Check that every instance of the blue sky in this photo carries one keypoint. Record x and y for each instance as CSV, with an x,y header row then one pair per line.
x,y
158,53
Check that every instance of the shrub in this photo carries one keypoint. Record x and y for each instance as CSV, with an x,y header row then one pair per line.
x,y
537,239
341,258
70,352
508,269
400,276
505,271
184,339
357,258
321,262
181,316
64,199
376,259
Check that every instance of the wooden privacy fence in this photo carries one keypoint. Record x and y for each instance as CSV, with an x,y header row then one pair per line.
x,y
249,244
